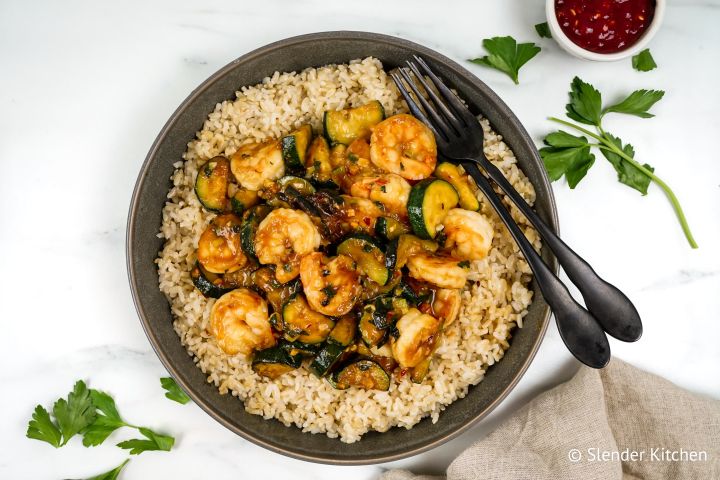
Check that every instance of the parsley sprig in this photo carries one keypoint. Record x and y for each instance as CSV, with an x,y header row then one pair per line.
x,y
569,155
174,392
506,55
93,414
644,61
111,474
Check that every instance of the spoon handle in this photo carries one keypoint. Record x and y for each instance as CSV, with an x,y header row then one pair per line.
x,y
612,308
581,333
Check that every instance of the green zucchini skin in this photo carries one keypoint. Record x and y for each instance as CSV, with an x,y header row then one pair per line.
x,y
317,162
275,361
326,358
451,173
341,336
389,229
299,348
370,333
300,323
243,200
368,254
391,256
364,374
211,184
252,220
203,281
300,185
343,333
420,371
345,126
428,203
294,148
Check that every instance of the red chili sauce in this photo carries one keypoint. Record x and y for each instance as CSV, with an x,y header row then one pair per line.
x,y
604,26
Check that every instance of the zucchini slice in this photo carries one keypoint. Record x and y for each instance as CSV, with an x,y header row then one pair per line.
x,y
294,148
344,126
420,371
300,185
275,361
364,374
368,255
243,200
380,355
370,333
252,219
276,293
303,324
210,284
451,173
408,245
343,333
299,348
429,202
318,166
211,183
389,228
326,359
341,336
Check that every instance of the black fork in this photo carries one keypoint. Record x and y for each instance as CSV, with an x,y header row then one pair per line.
x,y
459,138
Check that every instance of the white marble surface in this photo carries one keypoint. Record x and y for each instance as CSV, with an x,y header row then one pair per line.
x,y
87,85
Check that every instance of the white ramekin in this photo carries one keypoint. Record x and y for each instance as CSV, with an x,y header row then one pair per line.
x,y
580,52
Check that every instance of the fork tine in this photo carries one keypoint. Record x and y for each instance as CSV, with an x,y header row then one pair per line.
x,y
438,121
414,108
451,98
439,104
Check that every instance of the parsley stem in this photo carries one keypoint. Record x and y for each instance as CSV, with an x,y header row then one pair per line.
x,y
578,127
610,146
664,186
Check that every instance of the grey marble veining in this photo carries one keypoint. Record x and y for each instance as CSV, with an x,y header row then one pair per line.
x,y
86,86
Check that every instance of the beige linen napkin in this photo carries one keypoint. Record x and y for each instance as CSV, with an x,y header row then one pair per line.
x,y
615,423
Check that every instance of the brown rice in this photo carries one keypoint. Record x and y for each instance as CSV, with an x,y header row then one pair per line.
x,y
495,300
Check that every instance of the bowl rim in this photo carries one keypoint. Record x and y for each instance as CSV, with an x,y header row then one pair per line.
x,y
221,417
577,51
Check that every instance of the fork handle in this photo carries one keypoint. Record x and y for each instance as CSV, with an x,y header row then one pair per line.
x,y
612,308
581,333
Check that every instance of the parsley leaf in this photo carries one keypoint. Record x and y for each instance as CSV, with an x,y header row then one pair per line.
x,y
637,103
174,392
154,442
76,413
506,55
112,474
105,424
644,61
42,428
543,29
585,103
567,155
628,174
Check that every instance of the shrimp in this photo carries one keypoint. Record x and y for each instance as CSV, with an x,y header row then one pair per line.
x,y
239,322
468,234
446,305
256,163
402,144
443,271
350,162
219,248
282,238
417,334
332,286
389,189
359,213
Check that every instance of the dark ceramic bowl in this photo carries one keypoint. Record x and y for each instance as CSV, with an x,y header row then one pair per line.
x,y
143,245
